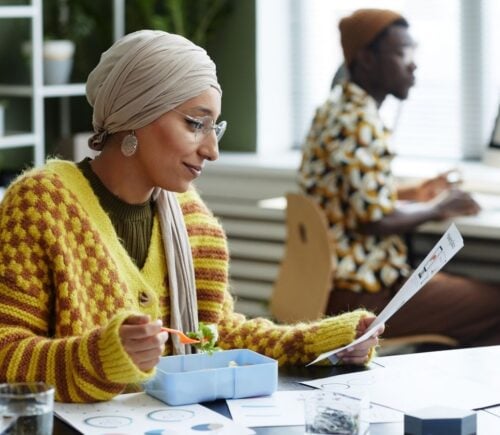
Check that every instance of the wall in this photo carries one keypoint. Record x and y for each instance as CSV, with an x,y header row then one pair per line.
x,y
256,235
233,50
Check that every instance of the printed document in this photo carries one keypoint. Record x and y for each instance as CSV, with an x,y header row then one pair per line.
x,y
449,244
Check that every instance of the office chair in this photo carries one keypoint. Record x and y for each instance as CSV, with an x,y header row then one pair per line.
x,y
304,281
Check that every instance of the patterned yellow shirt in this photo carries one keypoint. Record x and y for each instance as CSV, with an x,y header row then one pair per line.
x,y
346,169
67,284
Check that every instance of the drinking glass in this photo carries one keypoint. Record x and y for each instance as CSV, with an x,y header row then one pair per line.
x,y
26,408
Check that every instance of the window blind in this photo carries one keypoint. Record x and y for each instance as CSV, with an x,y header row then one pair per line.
x,y
451,110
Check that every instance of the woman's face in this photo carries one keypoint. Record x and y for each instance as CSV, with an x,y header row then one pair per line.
x,y
170,153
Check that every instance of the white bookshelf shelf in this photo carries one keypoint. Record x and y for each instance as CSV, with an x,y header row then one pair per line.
x,y
17,140
17,11
35,138
69,90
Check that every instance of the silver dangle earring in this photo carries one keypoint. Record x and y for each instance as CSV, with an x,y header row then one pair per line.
x,y
129,144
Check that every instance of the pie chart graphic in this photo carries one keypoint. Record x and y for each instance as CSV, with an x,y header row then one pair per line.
x,y
161,432
207,427
108,421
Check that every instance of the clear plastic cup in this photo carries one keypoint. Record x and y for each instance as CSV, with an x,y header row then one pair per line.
x,y
26,408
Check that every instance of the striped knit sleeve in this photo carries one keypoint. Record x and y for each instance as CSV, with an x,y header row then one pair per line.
x,y
300,343
88,368
53,328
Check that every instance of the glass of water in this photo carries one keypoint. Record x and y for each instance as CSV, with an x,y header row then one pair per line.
x,y
26,408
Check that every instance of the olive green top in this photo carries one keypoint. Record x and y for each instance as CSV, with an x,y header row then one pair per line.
x,y
133,223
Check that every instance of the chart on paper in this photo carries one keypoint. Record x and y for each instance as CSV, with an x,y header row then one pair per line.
x,y
140,414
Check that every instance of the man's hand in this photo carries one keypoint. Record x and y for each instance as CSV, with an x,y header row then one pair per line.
x,y
359,353
455,203
143,340
432,187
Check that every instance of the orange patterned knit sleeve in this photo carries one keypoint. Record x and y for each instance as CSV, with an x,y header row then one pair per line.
x,y
300,343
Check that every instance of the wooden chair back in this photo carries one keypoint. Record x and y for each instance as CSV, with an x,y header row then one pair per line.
x,y
304,280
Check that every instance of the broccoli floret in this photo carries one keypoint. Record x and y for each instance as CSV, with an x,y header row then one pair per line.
x,y
208,336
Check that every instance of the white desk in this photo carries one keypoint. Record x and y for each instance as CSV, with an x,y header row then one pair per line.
x,y
478,364
484,225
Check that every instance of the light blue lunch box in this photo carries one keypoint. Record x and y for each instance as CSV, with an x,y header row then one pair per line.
x,y
187,379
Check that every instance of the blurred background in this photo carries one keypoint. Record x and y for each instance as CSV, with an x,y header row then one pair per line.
x,y
275,61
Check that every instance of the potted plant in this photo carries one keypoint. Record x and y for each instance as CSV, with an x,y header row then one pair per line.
x,y
87,24
82,26
58,46
57,61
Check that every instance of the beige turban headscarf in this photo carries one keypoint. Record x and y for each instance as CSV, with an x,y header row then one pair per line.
x,y
142,76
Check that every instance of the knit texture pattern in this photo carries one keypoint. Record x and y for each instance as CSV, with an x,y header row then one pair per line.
x,y
67,284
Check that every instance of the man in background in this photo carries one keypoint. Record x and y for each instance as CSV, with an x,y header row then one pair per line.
x,y
346,169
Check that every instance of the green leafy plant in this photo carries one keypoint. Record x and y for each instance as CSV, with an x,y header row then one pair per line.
x,y
208,336
65,19
194,19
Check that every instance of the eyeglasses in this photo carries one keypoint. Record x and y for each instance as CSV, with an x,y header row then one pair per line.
x,y
406,53
204,125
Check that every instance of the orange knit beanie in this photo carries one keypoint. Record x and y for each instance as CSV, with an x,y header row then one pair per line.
x,y
361,27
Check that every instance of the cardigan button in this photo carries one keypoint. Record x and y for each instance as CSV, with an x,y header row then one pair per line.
x,y
144,298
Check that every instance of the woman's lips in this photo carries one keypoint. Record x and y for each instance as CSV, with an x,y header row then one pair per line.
x,y
194,169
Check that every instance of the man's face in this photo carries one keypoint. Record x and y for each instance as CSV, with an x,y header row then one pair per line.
x,y
395,66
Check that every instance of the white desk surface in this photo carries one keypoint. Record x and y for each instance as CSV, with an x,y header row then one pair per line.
x,y
473,371
484,225
479,364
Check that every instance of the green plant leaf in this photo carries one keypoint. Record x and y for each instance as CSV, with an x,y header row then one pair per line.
x,y
208,336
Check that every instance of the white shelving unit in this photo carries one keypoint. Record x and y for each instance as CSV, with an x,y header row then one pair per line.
x,y
35,137
37,90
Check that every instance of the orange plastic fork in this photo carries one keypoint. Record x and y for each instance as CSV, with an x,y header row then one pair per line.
x,y
183,338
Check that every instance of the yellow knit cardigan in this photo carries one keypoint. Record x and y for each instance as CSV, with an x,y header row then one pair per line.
x,y
66,285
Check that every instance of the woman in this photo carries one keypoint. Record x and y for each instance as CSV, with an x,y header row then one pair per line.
x,y
95,256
